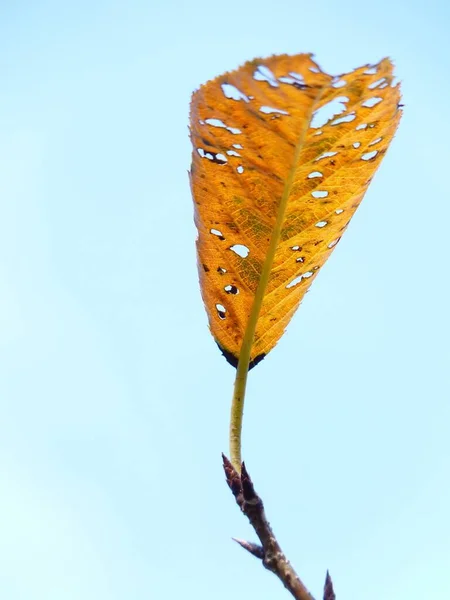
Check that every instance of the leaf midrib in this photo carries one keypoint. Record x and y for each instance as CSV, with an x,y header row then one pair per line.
x,y
237,405
247,342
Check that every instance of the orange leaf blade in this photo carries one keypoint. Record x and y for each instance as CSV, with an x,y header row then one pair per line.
x,y
283,154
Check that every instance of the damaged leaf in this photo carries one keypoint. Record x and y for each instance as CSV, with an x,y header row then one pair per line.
x,y
283,154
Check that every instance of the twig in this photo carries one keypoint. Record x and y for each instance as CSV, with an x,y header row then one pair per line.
x,y
269,552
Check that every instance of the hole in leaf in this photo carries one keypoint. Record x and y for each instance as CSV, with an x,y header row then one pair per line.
x,y
361,126
370,71
369,155
339,83
231,92
297,76
221,310
240,169
238,146
221,270
296,248
300,259
376,83
338,211
314,69
294,282
233,153
325,155
231,289
318,132
289,80
375,141
263,73
356,144
371,102
346,119
268,110
217,233
308,274
240,250
315,174
333,243
319,194
321,223
218,158
216,123
329,110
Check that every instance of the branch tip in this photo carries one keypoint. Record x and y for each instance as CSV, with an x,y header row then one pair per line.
x,y
254,549
328,591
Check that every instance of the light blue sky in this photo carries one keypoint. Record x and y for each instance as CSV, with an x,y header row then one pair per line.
x,y
114,399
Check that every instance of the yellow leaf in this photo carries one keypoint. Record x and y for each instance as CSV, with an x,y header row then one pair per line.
x,y
283,154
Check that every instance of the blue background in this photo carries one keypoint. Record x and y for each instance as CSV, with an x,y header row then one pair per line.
x,y
114,400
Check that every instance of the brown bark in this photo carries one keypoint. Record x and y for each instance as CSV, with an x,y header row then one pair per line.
x,y
269,552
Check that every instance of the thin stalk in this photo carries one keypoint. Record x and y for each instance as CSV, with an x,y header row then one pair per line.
x,y
240,383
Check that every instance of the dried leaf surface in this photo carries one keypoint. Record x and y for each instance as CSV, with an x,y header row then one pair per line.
x,y
283,154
